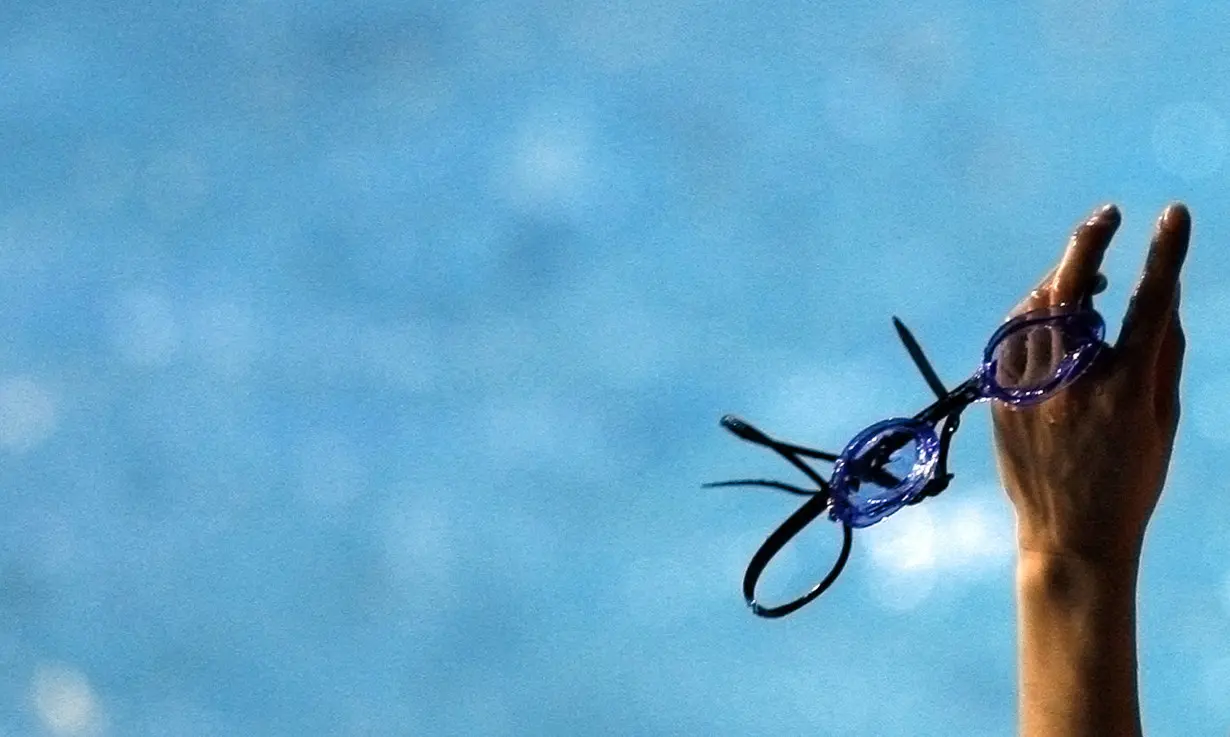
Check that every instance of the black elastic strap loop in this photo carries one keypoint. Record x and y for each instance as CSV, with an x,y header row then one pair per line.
x,y
793,525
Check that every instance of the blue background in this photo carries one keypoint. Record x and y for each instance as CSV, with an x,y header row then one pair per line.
x,y
362,362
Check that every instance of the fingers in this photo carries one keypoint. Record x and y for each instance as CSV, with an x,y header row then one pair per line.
x,y
1099,286
1170,369
1038,356
1076,277
1039,296
1148,317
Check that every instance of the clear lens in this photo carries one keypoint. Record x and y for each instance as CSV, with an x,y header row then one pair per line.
x,y
1035,356
880,467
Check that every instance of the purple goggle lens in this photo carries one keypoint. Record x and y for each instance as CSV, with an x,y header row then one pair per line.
x,y
882,469
1036,354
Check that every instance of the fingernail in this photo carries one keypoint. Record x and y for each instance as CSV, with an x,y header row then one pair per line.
x,y
1174,218
1108,214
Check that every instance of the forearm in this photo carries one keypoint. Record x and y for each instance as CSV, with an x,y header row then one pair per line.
x,y
1077,640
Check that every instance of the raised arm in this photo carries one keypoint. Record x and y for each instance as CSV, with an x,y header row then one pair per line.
x,y
1084,471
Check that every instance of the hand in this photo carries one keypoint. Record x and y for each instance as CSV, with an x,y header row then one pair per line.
x,y
1085,468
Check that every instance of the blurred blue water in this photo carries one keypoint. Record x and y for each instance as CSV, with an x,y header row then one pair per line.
x,y
362,362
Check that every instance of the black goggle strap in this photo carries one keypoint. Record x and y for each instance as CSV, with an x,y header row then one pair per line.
x,y
746,431
920,359
798,491
939,482
773,545
823,485
791,453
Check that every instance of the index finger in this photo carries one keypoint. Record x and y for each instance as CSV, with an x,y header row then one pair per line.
x,y
1076,277
1148,313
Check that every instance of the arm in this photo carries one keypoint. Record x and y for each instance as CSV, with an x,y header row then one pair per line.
x,y
1076,623
1084,471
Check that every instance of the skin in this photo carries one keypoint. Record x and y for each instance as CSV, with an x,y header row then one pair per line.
x,y
1084,471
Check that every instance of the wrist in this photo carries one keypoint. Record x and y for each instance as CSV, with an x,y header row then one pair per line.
x,y
1071,580
1077,628
1104,543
